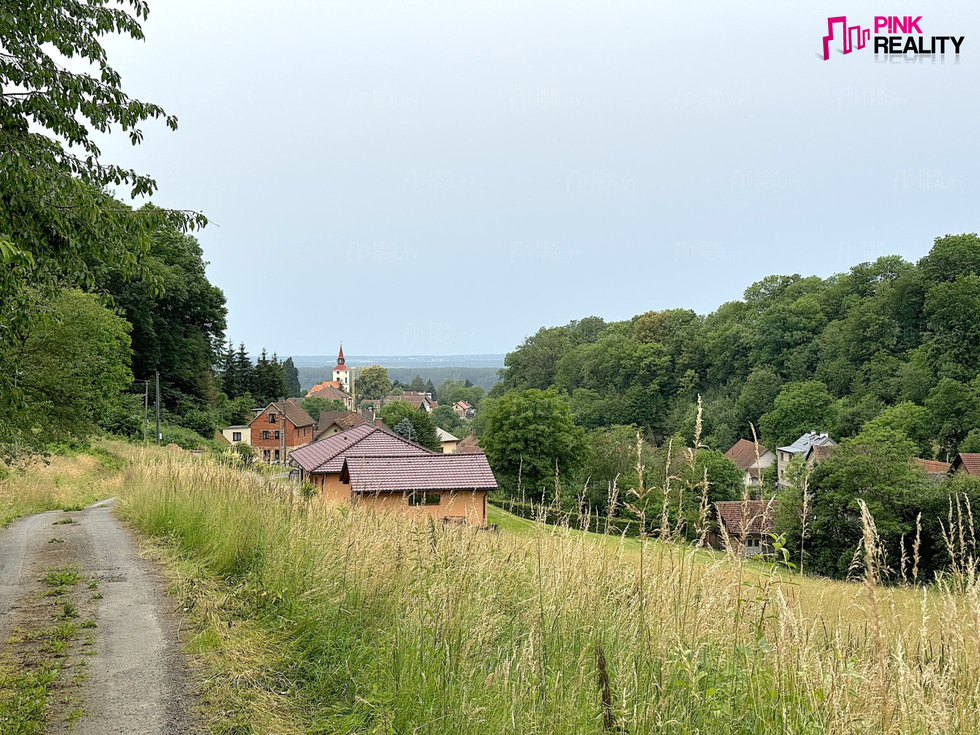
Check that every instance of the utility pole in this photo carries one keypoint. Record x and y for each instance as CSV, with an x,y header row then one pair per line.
x,y
158,408
146,408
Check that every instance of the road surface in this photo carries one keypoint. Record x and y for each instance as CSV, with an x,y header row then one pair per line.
x,y
135,679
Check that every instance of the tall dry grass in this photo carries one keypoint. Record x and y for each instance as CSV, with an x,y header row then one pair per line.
x,y
396,626
61,481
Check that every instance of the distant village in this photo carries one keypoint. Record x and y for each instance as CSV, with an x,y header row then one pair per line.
x,y
351,455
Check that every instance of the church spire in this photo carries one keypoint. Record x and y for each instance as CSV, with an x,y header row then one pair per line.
x,y
340,356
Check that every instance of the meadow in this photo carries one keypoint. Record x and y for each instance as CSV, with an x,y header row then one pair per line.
x,y
310,618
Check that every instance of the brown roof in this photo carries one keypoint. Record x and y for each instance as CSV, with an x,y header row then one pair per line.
x,y
326,390
933,466
758,514
744,453
462,404
820,452
292,411
469,444
398,474
327,455
416,399
343,419
968,462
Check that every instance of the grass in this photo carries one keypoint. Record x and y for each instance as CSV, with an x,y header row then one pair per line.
x,y
67,481
335,621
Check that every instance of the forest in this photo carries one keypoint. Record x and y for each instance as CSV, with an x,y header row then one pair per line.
x,y
885,358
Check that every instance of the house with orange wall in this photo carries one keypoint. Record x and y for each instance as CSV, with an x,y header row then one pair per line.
x,y
445,487
322,464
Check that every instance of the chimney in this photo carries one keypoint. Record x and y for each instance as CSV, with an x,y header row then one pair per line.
x,y
379,422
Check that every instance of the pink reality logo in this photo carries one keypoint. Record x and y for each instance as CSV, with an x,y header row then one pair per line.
x,y
850,35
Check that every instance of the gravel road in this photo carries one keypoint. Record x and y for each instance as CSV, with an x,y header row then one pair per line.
x,y
136,681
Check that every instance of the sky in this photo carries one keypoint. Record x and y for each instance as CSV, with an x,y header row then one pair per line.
x,y
447,177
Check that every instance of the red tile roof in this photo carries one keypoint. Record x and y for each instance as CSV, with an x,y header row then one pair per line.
x,y
968,462
743,453
932,466
327,455
405,473
759,515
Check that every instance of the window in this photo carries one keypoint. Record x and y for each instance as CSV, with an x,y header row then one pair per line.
x,y
425,499
265,455
265,434
236,436
277,455
276,435
272,418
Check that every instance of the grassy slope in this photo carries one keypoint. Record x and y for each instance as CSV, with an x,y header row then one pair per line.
x,y
63,481
372,624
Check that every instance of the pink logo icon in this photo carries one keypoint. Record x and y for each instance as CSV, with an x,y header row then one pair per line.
x,y
853,36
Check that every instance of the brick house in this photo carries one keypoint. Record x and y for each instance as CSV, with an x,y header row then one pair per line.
x,y
280,428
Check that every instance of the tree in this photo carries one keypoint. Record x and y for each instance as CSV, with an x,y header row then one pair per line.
x,y
431,390
406,430
757,397
528,437
373,382
446,419
417,385
270,382
75,366
291,377
913,421
179,329
880,474
425,431
315,405
57,223
955,410
799,408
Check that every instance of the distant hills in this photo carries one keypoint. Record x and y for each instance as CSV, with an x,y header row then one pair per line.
x,y
478,369
398,361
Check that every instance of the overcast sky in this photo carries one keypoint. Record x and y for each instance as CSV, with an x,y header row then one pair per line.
x,y
447,177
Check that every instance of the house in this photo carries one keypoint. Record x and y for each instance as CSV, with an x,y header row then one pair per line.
x,y
280,428
321,462
334,422
749,523
419,400
239,434
447,440
812,446
469,444
328,391
464,410
968,462
934,469
451,487
751,458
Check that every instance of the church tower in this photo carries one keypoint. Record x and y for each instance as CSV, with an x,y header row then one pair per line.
x,y
340,372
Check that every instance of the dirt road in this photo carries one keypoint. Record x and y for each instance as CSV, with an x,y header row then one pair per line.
x,y
121,670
